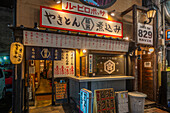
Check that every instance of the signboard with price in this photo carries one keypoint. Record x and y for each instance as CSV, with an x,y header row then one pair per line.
x,y
145,34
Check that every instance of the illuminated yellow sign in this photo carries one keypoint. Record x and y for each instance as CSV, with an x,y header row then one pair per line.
x,y
16,53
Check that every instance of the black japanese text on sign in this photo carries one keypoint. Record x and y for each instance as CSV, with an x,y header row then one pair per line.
x,y
64,20
16,52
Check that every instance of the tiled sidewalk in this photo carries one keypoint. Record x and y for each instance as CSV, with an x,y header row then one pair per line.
x,y
66,108
69,109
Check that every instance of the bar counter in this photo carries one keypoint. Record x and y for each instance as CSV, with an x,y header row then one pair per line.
x,y
118,83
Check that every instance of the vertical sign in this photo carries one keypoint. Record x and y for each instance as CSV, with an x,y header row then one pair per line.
x,y
16,53
85,101
168,35
90,63
145,34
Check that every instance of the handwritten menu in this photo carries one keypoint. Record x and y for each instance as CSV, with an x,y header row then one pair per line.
x,y
65,66
104,101
32,38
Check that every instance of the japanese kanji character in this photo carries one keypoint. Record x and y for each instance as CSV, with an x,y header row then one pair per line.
x,y
59,21
99,26
108,28
117,29
87,23
75,23
67,21
20,50
49,17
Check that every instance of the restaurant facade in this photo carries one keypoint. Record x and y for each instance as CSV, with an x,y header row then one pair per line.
x,y
71,45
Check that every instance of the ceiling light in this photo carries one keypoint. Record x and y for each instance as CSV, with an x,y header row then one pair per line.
x,y
58,1
112,14
84,51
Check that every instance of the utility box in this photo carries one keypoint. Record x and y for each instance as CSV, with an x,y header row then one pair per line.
x,y
122,102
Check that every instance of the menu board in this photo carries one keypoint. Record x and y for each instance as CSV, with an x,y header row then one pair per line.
x,y
65,66
105,64
104,101
85,101
60,90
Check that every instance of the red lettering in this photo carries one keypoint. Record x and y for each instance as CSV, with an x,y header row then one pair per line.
x,y
79,8
71,7
87,10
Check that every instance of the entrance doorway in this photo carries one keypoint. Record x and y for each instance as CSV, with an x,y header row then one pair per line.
x,y
40,82
145,74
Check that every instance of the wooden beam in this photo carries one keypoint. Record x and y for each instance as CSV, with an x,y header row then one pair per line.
x,y
127,11
131,8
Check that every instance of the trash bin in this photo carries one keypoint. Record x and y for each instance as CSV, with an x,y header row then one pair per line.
x,y
136,102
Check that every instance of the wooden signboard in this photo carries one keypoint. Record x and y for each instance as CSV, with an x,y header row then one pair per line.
x,y
104,101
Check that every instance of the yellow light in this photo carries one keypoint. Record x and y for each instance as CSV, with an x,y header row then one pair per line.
x,y
151,13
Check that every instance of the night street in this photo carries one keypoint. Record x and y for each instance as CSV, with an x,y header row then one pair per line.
x,y
6,103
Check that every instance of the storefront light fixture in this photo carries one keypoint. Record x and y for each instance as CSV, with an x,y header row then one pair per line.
x,y
112,13
84,51
126,38
57,1
150,14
